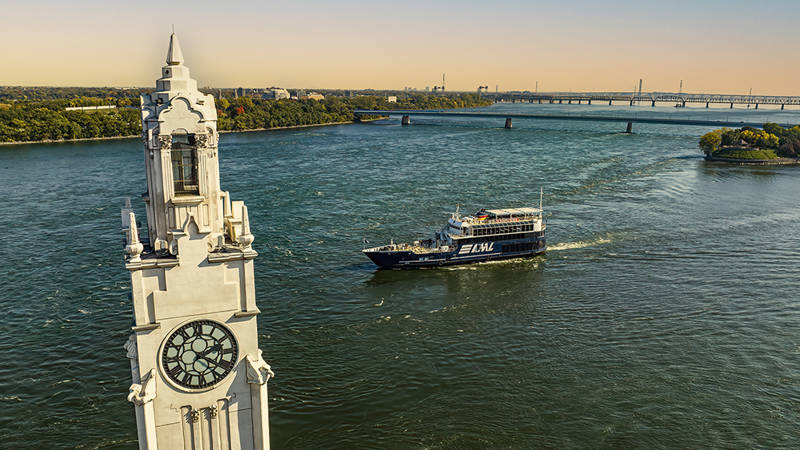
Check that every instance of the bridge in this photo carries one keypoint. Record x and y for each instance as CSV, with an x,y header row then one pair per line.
x,y
629,119
633,98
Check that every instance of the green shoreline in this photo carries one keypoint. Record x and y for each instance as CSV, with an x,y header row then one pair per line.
x,y
109,138
756,162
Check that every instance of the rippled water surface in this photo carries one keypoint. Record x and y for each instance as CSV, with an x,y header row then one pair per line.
x,y
665,313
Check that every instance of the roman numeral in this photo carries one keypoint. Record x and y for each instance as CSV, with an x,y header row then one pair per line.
x,y
175,371
226,365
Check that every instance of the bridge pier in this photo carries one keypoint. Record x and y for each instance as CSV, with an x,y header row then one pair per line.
x,y
406,120
731,105
589,102
609,116
609,103
551,101
653,104
508,122
707,105
782,107
756,105
631,102
569,102
561,102
540,101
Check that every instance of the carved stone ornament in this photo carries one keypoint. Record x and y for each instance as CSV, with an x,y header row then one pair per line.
x,y
258,371
164,142
131,350
139,394
203,141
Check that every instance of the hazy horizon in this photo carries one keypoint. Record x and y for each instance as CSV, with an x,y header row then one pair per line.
x,y
713,46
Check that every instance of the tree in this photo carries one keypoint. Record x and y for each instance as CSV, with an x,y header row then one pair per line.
x,y
710,142
774,128
790,148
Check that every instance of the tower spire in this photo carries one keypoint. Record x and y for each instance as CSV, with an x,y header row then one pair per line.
x,y
174,54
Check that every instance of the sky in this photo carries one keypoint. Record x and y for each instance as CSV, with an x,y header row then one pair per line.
x,y
569,45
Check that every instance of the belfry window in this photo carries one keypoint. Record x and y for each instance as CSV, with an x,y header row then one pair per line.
x,y
184,164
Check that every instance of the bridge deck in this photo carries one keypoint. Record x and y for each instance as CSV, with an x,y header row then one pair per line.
x,y
575,117
660,97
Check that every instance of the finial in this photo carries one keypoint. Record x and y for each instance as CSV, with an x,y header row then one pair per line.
x,y
227,205
245,239
174,54
134,247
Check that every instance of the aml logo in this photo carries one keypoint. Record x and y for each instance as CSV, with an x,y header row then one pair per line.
x,y
476,248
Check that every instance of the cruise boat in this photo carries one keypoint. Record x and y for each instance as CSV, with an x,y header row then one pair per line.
x,y
487,235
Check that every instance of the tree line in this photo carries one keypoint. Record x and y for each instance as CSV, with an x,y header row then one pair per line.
x,y
47,119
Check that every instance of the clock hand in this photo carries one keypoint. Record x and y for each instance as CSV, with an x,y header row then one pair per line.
x,y
207,359
213,348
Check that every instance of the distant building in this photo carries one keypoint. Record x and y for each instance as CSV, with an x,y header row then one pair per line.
x,y
275,93
89,108
239,92
310,96
391,99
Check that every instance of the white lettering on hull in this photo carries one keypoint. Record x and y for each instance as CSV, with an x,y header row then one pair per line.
x,y
476,248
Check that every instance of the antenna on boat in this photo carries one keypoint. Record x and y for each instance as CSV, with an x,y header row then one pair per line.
x,y
457,207
541,194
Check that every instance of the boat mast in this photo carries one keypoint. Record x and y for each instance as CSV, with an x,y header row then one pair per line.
x,y
541,194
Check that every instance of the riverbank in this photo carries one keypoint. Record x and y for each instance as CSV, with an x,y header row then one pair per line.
x,y
48,121
756,162
58,141
294,127
752,156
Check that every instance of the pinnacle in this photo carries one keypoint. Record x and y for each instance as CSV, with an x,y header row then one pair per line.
x,y
174,54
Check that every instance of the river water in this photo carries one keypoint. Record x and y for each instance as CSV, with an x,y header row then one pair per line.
x,y
665,312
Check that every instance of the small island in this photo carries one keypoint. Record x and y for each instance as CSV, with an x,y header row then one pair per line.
x,y
774,145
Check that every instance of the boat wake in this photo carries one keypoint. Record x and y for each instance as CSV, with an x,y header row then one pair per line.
x,y
476,266
576,245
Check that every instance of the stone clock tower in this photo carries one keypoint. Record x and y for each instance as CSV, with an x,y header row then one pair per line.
x,y
199,380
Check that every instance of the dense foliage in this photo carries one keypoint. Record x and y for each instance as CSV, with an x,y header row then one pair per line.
x,y
38,121
746,153
36,93
35,120
775,140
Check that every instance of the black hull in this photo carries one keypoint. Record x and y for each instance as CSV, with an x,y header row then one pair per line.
x,y
387,259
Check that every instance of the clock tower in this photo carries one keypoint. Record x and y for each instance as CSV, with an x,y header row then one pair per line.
x,y
199,380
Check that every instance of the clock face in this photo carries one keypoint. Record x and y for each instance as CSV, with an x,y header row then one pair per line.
x,y
199,354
